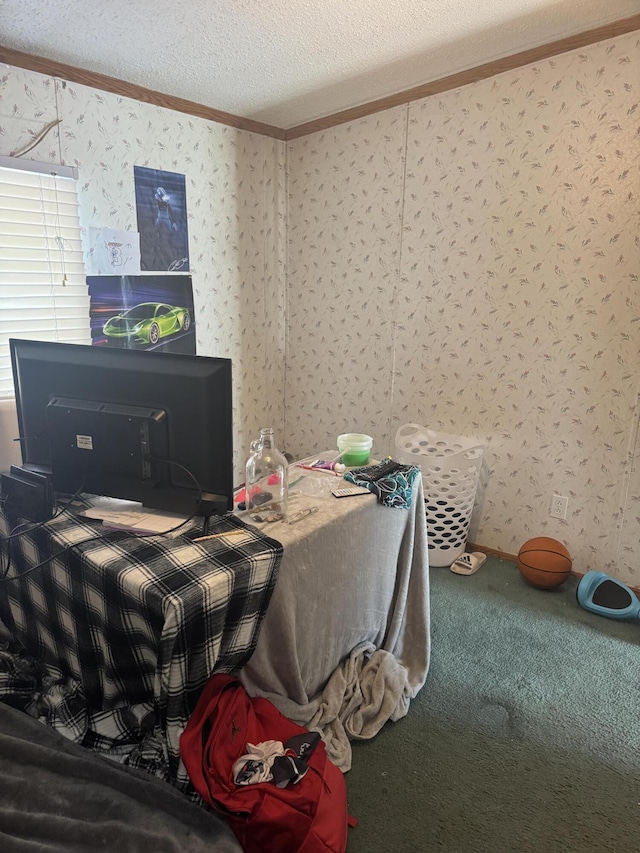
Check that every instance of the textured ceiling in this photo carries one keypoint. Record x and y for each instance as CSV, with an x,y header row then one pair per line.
x,y
283,62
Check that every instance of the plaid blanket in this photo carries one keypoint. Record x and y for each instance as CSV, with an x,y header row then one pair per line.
x,y
129,628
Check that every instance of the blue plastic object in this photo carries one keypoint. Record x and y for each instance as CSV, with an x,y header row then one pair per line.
x,y
605,596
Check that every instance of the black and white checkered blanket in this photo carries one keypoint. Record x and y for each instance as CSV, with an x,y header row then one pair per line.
x,y
130,628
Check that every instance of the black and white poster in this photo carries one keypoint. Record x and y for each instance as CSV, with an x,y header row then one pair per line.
x,y
161,206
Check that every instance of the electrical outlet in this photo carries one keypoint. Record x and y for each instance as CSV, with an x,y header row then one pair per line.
x,y
558,508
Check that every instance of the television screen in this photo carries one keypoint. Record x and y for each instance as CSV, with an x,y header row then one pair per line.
x,y
153,427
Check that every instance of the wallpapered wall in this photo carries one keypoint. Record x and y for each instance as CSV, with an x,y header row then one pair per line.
x,y
236,204
468,262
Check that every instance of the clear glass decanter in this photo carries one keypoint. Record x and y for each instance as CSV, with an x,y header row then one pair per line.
x,y
266,481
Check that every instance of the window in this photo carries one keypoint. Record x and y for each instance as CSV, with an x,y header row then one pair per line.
x,y
43,289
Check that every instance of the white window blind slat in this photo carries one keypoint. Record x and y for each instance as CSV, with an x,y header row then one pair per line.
x,y
64,231
43,289
40,290
53,277
17,322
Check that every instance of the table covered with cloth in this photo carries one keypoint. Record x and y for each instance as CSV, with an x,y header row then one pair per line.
x,y
345,644
129,628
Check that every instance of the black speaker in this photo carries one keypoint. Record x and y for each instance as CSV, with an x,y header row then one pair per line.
x,y
27,495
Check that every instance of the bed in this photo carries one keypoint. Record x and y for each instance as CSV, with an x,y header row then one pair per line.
x,y
58,796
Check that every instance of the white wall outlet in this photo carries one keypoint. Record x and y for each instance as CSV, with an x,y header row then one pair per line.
x,y
558,508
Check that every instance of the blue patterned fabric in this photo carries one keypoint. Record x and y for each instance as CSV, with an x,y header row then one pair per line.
x,y
390,481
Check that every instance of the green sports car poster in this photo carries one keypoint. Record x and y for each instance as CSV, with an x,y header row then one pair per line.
x,y
152,312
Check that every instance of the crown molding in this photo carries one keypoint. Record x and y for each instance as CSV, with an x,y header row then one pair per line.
x,y
73,74
472,75
454,81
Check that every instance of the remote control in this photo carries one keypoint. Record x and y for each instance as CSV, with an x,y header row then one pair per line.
x,y
382,469
348,491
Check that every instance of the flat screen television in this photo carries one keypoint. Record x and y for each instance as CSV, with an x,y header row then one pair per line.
x,y
152,427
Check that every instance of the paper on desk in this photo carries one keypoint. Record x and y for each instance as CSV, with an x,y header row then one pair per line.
x,y
131,515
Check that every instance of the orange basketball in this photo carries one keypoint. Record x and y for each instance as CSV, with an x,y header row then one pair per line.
x,y
544,562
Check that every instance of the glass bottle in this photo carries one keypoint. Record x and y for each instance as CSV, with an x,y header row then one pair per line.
x,y
266,481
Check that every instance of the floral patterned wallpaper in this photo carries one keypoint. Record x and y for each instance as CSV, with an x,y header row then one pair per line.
x,y
468,262
236,207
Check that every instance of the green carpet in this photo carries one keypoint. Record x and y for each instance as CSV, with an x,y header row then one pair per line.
x,y
525,737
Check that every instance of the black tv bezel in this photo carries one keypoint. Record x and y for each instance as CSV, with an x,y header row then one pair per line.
x,y
191,393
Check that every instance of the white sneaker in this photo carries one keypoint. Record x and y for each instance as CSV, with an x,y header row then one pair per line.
x,y
469,563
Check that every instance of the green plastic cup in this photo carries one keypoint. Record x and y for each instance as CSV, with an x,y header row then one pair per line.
x,y
355,449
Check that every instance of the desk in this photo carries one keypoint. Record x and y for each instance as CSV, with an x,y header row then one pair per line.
x,y
110,614
353,576
130,628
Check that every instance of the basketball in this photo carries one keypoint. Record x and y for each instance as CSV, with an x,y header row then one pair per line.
x,y
544,562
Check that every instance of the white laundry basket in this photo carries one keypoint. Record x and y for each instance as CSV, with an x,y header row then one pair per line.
x,y
450,466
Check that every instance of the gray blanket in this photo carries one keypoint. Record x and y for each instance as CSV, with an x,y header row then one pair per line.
x,y
58,796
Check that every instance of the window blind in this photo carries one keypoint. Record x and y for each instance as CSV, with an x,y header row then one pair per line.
x,y
43,289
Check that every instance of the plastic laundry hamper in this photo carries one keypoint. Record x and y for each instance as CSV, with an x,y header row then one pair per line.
x,y
450,466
